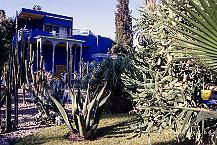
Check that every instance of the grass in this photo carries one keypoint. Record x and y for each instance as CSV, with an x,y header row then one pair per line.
x,y
113,130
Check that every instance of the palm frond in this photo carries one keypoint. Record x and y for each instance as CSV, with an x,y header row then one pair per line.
x,y
200,28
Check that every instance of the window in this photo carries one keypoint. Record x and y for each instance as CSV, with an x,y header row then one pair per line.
x,y
68,30
48,28
51,28
55,28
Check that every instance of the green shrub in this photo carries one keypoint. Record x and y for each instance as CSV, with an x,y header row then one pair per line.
x,y
111,70
6,33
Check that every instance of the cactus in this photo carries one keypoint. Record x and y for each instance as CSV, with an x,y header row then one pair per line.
x,y
20,66
165,81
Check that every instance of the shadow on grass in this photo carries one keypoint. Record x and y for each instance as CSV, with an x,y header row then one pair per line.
x,y
119,129
37,140
111,129
110,116
174,142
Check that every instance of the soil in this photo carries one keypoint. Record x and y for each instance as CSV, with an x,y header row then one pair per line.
x,y
27,123
73,137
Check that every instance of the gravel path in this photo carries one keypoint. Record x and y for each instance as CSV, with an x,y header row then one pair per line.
x,y
27,123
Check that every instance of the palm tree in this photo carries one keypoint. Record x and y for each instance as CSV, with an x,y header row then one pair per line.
x,y
2,15
199,29
151,4
123,26
37,7
197,26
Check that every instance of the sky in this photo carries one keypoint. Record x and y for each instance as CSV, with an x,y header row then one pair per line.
x,y
96,15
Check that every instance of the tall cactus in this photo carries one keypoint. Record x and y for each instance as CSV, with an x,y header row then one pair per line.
x,y
9,79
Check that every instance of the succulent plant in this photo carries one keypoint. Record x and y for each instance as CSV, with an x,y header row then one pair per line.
x,y
165,80
86,110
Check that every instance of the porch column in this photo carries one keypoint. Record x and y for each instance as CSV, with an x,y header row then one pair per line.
x,y
81,61
28,49
53,59
67,61
37,57
40,51
41,48
75,49
70,64
81,52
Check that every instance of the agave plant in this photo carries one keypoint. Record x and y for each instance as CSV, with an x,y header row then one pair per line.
x,y
86,110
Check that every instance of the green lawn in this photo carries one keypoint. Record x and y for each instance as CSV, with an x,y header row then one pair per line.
x,y
113,130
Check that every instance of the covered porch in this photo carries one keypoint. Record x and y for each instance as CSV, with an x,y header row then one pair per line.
x,y
61,55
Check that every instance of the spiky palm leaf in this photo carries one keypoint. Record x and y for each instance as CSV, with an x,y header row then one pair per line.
x,y
200,29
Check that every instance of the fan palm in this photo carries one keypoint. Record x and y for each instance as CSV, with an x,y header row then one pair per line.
x,y
199,29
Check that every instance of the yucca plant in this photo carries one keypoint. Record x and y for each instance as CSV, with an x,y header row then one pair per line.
x,y
86,109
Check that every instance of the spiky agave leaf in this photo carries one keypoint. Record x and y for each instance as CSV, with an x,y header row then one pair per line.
x,y
63,113
74,100
94,104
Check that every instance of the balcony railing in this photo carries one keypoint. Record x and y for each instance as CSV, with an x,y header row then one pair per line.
x,y
104,55
32,33
84,32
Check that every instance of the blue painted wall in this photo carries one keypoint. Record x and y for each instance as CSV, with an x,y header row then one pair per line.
x,y
94,46
59,22
93,43
36,26
89,46
104,44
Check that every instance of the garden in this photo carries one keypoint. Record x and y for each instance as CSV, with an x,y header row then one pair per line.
x,y
161,90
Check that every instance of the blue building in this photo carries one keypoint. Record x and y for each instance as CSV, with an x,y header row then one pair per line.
x,y
53,37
